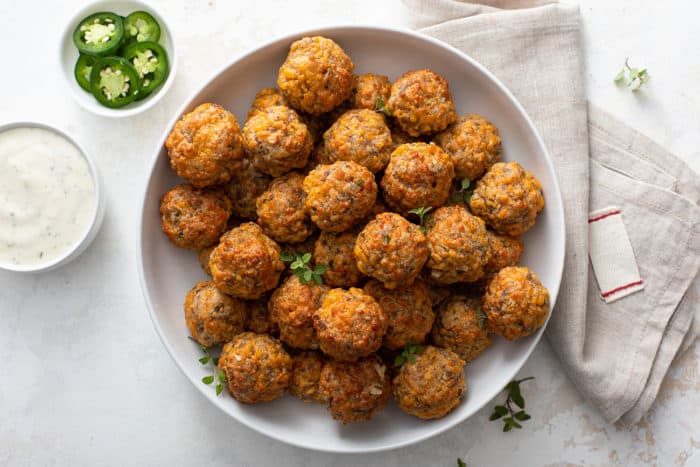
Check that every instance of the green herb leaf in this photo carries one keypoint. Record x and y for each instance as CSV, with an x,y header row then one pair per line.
x,y
516,424
387,239
423,229
466,183
399,360
317,279
306,257
307,275
286,256
208,379
620,76
507,427
320,269
204,360
522,416
500,410
519,401
480,318
297,264
494,416
222,376
380,106
460,463
219,389
360,183
215,361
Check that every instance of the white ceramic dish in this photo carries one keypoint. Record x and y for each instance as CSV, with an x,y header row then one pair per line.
x,y
95,218
68,55
167,273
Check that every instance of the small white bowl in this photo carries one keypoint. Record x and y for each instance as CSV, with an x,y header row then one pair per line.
x,y
68,55
95,219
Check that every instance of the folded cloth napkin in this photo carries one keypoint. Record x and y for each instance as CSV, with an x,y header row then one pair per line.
x,y
616,340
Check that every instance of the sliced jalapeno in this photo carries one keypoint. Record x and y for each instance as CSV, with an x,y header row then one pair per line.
x,y
140,26
151,63
99,34
83,68
114,82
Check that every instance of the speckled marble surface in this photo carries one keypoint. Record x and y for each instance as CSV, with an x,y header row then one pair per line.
x,y
85,380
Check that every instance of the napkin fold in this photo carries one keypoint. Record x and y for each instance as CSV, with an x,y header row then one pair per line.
x,y
616,352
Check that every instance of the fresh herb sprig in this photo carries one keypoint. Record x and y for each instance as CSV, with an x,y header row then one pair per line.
x,y
635,77
423,216
516,398
461,463
408,354
300,266
465,192
380,106
214,361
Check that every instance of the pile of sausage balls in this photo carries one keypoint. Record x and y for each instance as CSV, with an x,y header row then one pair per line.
x,y
333,164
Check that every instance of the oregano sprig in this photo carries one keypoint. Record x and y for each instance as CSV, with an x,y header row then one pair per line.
x,y
635,77
300,265
408,354
465,191
514,397
423,216
380,106
214,361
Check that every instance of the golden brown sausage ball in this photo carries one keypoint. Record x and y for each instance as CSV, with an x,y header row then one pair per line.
x,y
505,251
516,303
203,258
408,310
359,135
458,327
205,146
355,391
256,366
246,263
418,175
459,246
368,88
259,320
350,324
316,76
421,102
194,218
391,249
508,198
432,386
276,140
292,306
473,144
334,250
306,372
339,195
281,210
244,188
213,317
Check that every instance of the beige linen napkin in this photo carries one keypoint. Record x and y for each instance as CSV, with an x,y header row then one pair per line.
x,y
616,353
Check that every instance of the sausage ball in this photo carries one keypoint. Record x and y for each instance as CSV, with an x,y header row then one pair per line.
x,y
461,327
516,303
432,386
473,144
292,306
317,75
246,263
338,195
505,251
194,218
259,320
276,140
359,135
418,175
391,249
306,372
203,258
368,88
256,366
408,310
459,246
244,188
355,391
508,198
205,146
421,103
334,250
212,317
350,324
281,210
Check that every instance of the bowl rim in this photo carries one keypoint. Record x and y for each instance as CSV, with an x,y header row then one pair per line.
x,y
329,30
136,107
95,217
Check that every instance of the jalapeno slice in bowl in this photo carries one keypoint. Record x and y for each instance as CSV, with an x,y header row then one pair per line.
x,y
114,82
140,26
99,34
151,63
82,70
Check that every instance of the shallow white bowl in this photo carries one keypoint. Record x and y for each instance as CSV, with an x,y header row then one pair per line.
x,y
167,273
68,55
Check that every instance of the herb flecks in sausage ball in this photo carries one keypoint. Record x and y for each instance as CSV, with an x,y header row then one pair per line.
x,y
516,303
257,367
281,210
355,391
213,317
460,326
508,198
350,324
306,373
292,306
408,310
418,174
432,386
194,218
368,88
473,144
391,250
244,188
205,146
421,102
246,263
335,251
339,195
459,246
316,76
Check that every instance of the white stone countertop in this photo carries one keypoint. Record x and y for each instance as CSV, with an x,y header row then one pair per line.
x,y
86,381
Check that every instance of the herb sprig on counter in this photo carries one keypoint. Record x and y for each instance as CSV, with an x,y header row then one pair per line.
x,y
634,77
408,354
514,397
423,216
214,361
300,266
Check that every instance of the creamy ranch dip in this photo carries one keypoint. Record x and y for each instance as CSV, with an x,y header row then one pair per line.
x,y
47,196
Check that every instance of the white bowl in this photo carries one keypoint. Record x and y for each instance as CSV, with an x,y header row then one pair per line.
x,y
167,273
96,217
68,55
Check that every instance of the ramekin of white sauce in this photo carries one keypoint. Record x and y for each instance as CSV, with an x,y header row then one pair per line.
x,y
51,198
